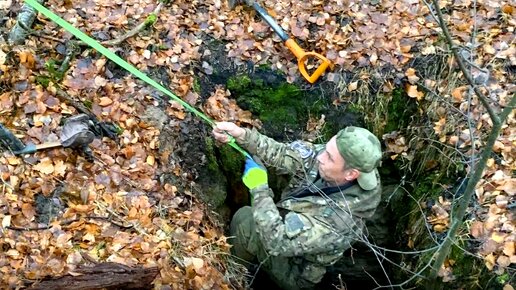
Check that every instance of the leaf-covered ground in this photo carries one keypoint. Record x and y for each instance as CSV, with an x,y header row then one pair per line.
x,y
117,210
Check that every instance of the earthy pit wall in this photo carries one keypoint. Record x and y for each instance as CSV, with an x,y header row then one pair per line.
x,y
424,173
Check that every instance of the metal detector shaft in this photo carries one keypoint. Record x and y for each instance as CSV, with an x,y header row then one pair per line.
x,y
273,24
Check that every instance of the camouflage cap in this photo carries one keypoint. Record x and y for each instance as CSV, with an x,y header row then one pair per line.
x,y
361,150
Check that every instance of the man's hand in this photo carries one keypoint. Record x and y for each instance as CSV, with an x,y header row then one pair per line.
x,y
223,129
254,174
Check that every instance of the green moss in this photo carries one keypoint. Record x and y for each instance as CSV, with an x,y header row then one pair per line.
x,y
399,110
354,108
88,104
223,161
232,161
503,279
429,185
54,70
239,83
223,173
470,272
43,80
196,86
151,19
210,154
214,190
279,105
427,188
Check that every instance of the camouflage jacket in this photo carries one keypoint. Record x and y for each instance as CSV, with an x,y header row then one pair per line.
x,y
308,225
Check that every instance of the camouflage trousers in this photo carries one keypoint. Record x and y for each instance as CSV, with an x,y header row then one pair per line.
x,y
286,272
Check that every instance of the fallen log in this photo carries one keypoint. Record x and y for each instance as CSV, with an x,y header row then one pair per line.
x,y
101,276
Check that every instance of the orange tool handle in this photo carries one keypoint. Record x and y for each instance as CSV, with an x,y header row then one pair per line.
x,y
302,56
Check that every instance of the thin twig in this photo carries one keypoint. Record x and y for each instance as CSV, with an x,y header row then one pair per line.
x,y
428,90
462,65
406,252
136,226
408,280
36,33
135,30
5,183
427,226
472,136
258,269
68,222
455,149
370,276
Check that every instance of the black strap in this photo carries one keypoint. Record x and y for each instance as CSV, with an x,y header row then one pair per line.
x,y
305,191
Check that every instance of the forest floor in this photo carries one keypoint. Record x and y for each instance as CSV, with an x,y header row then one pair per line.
x,y
60,212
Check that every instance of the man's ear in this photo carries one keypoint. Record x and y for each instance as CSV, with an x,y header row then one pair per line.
x,y
352,174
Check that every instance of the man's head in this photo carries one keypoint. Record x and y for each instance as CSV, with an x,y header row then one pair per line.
x,y
352,154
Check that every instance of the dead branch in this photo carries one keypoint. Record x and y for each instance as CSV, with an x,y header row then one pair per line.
x,y
70,54
64,97
68,222
146,23
102,276
41,34
23,23
111,212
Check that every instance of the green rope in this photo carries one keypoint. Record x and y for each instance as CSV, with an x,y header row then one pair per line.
x,y
127,66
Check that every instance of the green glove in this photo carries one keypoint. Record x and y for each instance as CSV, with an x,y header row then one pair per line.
x,y
254,174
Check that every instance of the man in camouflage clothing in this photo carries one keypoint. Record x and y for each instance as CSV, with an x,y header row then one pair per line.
x,y
320,214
